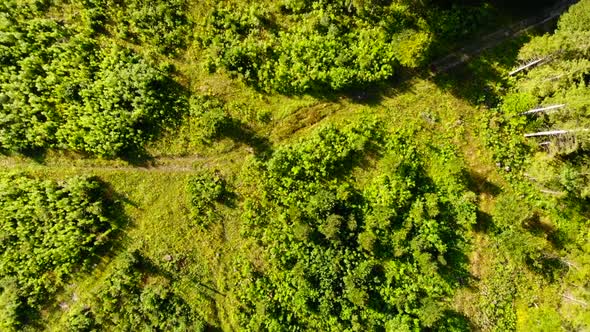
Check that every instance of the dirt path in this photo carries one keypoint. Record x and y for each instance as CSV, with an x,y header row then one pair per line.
x,y
159,164
494,39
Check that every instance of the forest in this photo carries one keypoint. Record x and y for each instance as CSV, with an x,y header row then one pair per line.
x,y
294,165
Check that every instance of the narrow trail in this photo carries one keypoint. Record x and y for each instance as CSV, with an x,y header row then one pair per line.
x,y
494,39
158,164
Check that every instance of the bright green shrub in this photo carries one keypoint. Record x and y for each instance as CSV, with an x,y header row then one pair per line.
x,y
126,302
119,110
342,258
577,18
208,117
205,189
160,24
49,231
305,45
330,45
59,89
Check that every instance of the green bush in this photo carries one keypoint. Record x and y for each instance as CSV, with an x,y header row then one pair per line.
x,y
49,231
340,258
205,189
60,89
208,117
127,302
330,45
121,109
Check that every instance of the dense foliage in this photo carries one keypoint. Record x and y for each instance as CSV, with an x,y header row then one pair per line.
x,y
162,25
205,190
60,89
264,211
48,231
540,226
133,299
327,44
208,117
563,80
296,46
340,257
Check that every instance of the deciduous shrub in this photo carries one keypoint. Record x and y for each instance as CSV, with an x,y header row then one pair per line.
x,y
60,89
331,45
340,257
205,189
49,231
134,299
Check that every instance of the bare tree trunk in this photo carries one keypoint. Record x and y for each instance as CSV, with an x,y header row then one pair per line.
x,y
530,64
547,133
548,108
575,300
551,192
555,132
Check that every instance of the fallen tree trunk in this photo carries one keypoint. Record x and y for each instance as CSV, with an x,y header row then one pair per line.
x,y
543,109
530,64
554,132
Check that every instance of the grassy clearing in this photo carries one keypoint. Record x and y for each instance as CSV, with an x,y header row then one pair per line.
x,y
438,112
155,199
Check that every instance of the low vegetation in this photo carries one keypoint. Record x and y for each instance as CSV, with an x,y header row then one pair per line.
x,y
180,165
49,232
133,297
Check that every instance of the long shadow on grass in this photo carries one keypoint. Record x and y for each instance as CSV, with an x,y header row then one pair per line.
x,y
242,133
38,155
480,81
479,184
370,94
115,211
137,156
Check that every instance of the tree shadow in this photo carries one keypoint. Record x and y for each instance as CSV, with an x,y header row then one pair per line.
x,y
243,133
522,7
550,267
479,184
455,272
229,198
137,156
480,81
369,94
374,93
38,155
484,222
114,211
452,320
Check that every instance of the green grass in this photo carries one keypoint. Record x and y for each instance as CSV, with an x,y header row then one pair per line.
x,y
155,200
443,110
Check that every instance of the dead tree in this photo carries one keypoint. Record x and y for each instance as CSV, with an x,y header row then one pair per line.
x,y
528,65
547,133
554,132
543,109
